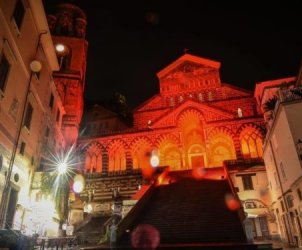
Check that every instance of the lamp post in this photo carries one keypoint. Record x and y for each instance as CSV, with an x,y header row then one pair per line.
x,y
62,51
77,187
62,177
299,147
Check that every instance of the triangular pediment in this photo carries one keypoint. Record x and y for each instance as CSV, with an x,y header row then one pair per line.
x,y
189,73
188,63
208,112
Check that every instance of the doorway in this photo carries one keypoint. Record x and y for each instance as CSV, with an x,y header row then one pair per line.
x,y
197,161
11,207
197,156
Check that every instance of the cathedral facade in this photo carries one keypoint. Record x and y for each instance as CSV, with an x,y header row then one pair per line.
x,y
195,121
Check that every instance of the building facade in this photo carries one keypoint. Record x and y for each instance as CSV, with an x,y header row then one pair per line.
x,y
196,121
27,60
41,98
68,28
281,103
251,184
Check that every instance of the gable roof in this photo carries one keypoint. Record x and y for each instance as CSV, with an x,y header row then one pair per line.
x,y
191,58
195,105
140,106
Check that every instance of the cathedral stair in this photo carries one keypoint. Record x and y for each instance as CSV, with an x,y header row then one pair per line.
x,y
92,231
188,211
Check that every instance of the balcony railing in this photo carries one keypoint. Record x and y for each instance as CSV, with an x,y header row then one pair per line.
x,y
284,96
289,95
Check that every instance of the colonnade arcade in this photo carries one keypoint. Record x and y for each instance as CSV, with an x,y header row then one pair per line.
x,y
191,143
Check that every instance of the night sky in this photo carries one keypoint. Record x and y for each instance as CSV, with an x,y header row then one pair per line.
x,y
130,41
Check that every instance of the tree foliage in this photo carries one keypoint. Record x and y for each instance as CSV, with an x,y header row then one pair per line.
x,y
57,186
297,91
270,103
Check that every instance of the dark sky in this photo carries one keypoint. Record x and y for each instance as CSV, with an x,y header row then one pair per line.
x,y
130,41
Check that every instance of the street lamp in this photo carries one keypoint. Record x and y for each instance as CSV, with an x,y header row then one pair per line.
x,y
62,51
35,66
58,181
60,47
62,167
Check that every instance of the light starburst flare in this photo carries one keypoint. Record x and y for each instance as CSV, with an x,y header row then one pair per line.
x,y
63,167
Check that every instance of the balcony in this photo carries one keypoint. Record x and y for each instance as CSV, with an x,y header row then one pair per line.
x,y
290,95
283,96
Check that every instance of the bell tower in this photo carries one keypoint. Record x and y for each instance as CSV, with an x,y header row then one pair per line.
x,y
68,27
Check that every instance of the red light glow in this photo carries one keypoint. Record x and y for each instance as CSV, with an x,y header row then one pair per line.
x,y
208,173
148,171
145,236
232,203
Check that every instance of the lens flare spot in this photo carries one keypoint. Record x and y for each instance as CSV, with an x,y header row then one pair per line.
x,y
232,202
152,17
77,186
154,161
198,173
145,236
147,172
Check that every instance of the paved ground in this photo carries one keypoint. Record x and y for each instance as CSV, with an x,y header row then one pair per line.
x,y
276,245
280,245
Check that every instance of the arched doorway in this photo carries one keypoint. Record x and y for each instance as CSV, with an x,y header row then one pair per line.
x,y
197,156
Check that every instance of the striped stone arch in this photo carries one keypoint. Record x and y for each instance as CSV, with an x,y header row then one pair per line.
x,y
188,114
258,128
221,141
250,137
94,144
119,156
136,140
221,129
169,152
95,157
141,148
163,137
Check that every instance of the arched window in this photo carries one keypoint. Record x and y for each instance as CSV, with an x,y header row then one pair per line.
x,y
93,161
141,153
251,143
117,157
170,156
222,148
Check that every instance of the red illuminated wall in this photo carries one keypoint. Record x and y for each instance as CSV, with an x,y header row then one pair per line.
x,y
68,27
194,121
